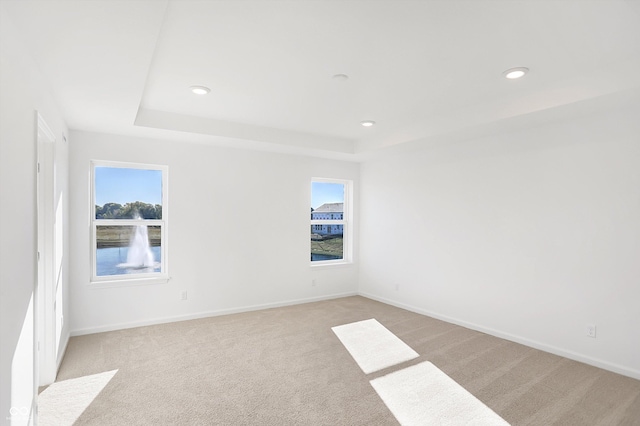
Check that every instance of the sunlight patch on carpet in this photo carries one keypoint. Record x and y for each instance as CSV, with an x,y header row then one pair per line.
x,y
424,395
63,402
372,346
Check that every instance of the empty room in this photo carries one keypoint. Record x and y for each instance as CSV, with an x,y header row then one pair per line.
x,y
319,212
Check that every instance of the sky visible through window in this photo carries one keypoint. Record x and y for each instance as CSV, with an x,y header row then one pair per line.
x,y
125,185
323,192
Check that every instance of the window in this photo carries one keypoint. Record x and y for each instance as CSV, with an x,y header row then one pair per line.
x,y
330,226
128,221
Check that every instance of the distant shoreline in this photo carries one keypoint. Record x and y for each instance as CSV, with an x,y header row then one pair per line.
x,y
120,236
123,243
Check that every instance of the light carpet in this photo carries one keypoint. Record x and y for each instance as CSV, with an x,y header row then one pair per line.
x,y
372,346
62,403
285,366
424,395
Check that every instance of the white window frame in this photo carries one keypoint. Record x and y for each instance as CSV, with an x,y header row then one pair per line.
x,y
141,278
346,222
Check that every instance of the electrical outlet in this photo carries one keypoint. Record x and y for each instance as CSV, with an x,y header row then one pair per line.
x,y
183,295
591,330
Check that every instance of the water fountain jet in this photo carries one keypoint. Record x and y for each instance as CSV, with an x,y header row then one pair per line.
x,y
139,255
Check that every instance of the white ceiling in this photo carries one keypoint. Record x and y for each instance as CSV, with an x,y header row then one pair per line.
x,y
423,70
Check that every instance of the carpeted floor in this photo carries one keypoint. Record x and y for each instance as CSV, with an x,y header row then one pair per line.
x,y
423,395
372,346
286,366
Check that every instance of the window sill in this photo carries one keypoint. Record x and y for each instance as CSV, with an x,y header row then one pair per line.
x,y
130,282
330,264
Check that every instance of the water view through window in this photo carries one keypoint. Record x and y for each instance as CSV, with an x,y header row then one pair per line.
x,y
128,249
128,221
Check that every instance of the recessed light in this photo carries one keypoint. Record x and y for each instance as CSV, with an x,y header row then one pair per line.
x,y
367,123
514,73
200,90
340,77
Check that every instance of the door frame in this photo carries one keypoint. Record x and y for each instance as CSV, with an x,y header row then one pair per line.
x,y
45,323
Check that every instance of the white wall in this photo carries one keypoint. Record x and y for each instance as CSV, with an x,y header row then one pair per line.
x,y
238,233
529,236
23,91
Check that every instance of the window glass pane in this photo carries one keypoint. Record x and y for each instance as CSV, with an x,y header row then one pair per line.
x,y
327,203
326,242
126,193
128,249
327,200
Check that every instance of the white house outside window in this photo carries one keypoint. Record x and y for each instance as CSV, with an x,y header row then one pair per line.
x,y
330,221
129,217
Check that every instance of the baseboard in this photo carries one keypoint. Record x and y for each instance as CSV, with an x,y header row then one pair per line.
x,y
605,365
206,314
